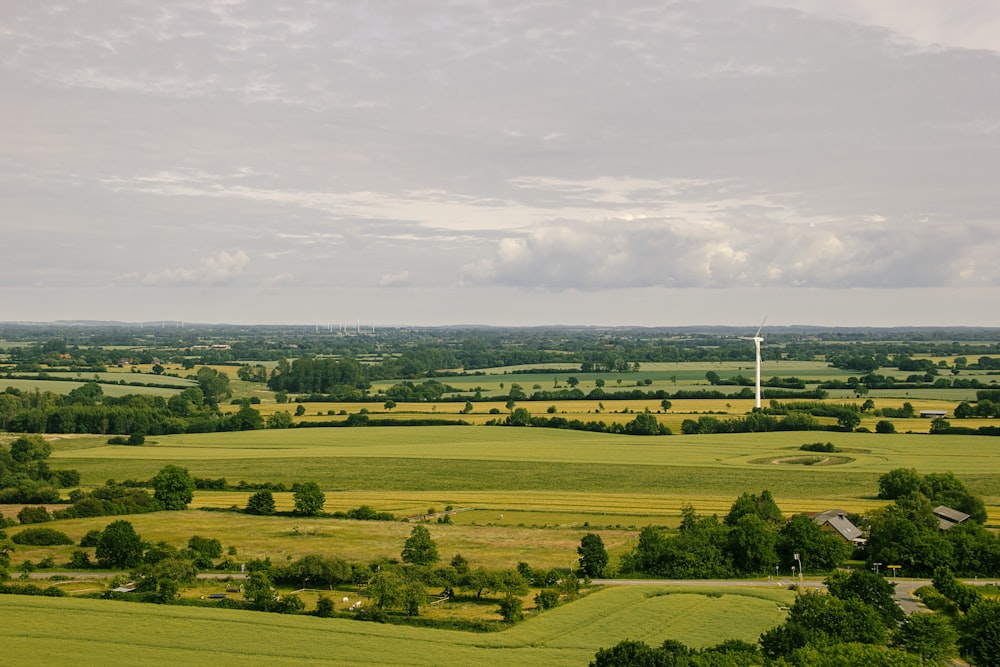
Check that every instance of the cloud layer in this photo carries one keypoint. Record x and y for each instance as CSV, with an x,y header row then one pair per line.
x,y
501,144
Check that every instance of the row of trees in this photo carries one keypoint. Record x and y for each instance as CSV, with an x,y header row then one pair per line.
x,y
750,540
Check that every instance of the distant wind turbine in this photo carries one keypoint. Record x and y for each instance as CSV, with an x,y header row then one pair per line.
x,y
757,340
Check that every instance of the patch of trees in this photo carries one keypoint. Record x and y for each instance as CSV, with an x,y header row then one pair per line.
x,y
908,533
41,537
340,378
827,447
762,422
87,410
750,540
645,423
25,476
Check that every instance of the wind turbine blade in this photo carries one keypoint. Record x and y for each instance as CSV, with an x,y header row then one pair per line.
x,y
757,335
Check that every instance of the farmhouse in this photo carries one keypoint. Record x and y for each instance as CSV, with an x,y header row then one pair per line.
x,y
948,517
836,521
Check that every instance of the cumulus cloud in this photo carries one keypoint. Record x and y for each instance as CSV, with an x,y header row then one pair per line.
x,y
670,253
216,269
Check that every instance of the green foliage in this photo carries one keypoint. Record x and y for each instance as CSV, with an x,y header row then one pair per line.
x,y
419,548
885,426
280,419
870,588
932,637
173,487
979,633
207,547
309,498
43,537
593,555
324,607
34,515
817,618
261,502
819,550
819,447
511,609
120,546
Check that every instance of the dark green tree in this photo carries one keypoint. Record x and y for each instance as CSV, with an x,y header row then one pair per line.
x,y
593,555
309,499
173,487
979,633
419,548
120,546
873,589
930,636
261,502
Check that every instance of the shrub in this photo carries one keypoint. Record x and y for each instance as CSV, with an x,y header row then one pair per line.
x,y
885,426
34,515
819,447
41,537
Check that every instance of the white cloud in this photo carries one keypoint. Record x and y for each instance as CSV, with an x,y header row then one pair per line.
x,y
666,253
215,269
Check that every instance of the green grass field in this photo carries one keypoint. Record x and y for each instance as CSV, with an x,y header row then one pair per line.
x,y
67,385
96,632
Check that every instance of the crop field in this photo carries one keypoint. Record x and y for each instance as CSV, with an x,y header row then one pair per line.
x,y
115,376
90,631
66,386
505,460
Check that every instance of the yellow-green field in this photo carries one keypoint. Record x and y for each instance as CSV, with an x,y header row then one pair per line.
x,y
96,632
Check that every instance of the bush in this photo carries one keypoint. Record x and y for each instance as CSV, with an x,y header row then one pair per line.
x,y
885,426
819,447
91,539
41,537
34,515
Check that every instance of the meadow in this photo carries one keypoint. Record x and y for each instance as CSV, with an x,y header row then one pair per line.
x,y
90,632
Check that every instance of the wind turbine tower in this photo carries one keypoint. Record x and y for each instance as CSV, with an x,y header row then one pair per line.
x,y
757,340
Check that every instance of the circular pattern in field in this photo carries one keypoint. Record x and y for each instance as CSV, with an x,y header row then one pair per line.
x,y
812,460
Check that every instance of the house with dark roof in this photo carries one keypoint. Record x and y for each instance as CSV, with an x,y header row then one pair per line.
x,y
836,521
948,517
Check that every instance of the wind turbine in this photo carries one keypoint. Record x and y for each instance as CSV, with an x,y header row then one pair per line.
x,y
757,340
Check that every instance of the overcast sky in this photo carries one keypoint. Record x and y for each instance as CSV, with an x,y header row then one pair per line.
x,y
501,161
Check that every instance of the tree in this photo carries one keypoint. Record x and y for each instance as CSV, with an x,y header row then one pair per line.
x,y
519,417
419,548
751,545
309,499
818,550
980,633
666,404
898,483
280,419
885,426
389,405
261,503
593,555
873,589
120,546
30,448
931,636
258,590
214,385
174,487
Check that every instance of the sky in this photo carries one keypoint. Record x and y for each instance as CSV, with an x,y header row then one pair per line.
x,y
501,162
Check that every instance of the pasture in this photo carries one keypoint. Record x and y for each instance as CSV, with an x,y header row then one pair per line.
x,y
90,631
68,385
404,470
